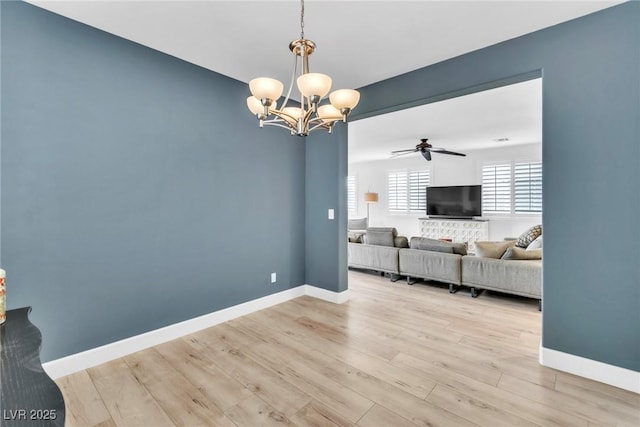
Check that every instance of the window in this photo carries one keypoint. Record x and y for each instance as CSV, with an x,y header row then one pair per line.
x,y
510,189
496,188
351,193
528,187
407,191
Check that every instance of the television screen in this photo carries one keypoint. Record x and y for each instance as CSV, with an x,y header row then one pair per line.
x,y
461,201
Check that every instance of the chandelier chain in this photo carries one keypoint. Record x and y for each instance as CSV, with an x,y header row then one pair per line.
x,y
302,19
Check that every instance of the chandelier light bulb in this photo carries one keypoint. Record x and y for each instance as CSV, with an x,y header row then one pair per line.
x,y
344,98
314,84
266,88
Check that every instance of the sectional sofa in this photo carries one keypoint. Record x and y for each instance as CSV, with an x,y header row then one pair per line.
x,y
430,259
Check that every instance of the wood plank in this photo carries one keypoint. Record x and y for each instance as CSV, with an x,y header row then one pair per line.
x,y
84,405
472,408
416,410
379,416
270,387
220,389
596,412
126,399
545,415
181,400
315,414
255,412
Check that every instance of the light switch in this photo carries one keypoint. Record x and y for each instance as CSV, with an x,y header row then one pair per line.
x,y
331,214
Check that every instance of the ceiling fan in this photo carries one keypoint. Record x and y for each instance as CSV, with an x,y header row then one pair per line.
x,y
426,149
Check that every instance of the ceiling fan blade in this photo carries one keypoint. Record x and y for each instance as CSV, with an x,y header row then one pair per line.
x,y
426,154
394,155
403,151
443,151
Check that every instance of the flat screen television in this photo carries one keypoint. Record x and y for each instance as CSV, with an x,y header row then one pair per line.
x,y
460,201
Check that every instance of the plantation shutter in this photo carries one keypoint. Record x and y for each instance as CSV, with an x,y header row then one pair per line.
x,y
528,187
397,188
496,188
351,193
418,182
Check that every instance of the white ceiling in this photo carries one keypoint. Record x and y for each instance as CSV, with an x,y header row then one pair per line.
x,y
460,124
359,43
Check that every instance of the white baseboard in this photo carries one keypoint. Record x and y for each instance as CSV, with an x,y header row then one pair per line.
x,y
96,356
323,294
592,369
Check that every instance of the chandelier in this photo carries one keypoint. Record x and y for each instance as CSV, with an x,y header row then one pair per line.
x,y
313,87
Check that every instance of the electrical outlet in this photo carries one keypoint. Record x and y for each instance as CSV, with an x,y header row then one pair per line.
x,y
273,277
331,214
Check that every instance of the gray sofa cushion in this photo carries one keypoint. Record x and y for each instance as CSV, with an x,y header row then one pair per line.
x,y
514,277
430,265
358,224
378,238
381,258
381,236
492,249
426,244
519,253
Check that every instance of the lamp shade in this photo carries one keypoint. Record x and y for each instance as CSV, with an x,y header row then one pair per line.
x,y
266,88
314,84
371,197
256,107
344,98
329,113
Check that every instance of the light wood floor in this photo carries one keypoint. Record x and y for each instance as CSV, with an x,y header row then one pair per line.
x,y
393,356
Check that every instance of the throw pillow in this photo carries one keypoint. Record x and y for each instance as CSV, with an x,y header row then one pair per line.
x,y
519,253
529,236
357,224
536,244
400,242
355,237
379,238
492,249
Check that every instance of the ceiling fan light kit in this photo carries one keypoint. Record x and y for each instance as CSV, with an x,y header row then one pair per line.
x,y
313,88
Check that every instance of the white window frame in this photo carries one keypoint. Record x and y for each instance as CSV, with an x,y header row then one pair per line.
x,y
497,184
406,191
527,188
516,189
352,194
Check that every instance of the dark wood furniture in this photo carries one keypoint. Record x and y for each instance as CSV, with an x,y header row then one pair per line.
x,y
28,397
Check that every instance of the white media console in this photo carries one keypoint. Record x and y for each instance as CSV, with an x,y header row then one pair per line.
x,y
458,230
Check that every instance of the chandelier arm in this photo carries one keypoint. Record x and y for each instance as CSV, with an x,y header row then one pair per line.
x,y
319,125
293,78
280,125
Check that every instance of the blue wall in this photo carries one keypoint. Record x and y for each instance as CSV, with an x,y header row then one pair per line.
x,y
326,188
591,155
137,189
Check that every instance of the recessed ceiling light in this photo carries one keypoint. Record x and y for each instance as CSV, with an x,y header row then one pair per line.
x,y
501,139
